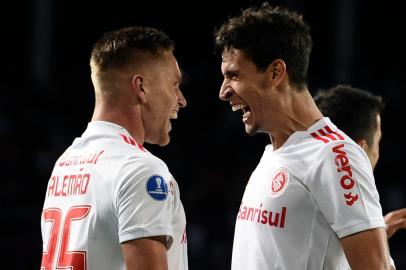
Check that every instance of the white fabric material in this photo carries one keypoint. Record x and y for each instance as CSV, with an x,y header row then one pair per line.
x,y
129,192
318,187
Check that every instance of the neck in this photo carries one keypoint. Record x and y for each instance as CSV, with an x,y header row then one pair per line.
x,y
300,113
123,114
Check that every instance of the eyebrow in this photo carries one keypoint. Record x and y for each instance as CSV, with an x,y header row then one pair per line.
x,y
230,73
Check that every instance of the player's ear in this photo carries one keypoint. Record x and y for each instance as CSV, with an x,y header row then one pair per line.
x,y
363,143
138,87
276,71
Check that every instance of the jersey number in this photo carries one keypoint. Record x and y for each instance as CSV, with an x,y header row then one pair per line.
x,y
71,259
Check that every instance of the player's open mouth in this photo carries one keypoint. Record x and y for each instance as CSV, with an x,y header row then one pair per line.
x,y
173,115
245,109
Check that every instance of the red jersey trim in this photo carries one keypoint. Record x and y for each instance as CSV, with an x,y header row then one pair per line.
x,y
326,134
131,141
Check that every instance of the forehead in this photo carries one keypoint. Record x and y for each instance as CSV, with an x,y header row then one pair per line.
x,y
233,58
169,65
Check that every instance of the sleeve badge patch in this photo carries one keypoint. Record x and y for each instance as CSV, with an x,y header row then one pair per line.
x,y
157,188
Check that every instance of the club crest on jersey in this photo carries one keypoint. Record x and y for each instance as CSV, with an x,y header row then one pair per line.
x,y
157,188
279,182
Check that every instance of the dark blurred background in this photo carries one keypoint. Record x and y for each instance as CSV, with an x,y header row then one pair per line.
x,y
46,100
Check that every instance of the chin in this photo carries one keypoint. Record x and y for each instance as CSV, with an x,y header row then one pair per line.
x,y
251,130
164,141
159,140
163,144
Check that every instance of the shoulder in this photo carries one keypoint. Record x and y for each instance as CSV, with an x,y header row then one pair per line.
x,y
342,160
340,151
330,148
346,149
143,166
329,140
124,156
143,174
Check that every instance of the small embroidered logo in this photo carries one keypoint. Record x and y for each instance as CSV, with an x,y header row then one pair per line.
x,y
279,182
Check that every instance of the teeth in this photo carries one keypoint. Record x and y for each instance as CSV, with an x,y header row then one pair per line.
x,y
238,107
246,116
173,115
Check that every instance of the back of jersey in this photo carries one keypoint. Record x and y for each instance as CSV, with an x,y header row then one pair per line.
x,y
79,221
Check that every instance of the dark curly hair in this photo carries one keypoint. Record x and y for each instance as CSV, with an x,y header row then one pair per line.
x,y
114,49
353,110
268,33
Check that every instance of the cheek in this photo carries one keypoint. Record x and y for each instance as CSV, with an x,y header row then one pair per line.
x,y
172,101
166,101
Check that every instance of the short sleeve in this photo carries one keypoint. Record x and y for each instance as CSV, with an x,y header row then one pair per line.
x,y
143,203
343,186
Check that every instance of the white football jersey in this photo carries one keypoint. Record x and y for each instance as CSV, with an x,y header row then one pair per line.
x,y
105,190
301,199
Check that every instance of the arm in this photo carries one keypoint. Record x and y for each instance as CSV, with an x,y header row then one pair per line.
x,y
145,253
367,250
144,224
395,220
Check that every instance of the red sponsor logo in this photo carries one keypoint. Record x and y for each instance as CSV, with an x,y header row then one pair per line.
x,y
259,215
279,182
344,169
67,159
